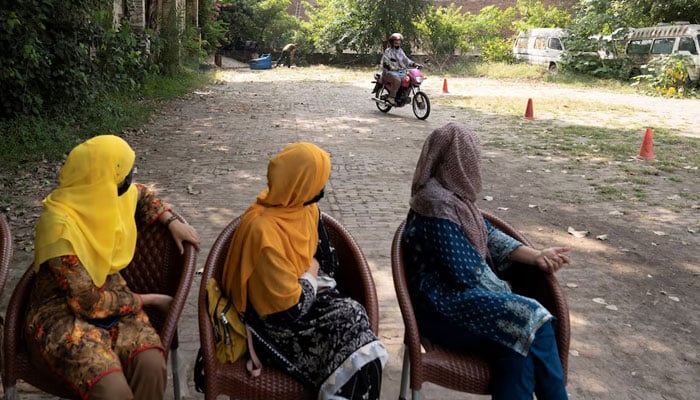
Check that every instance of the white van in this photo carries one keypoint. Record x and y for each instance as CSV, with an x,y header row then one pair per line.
x,y
680,37
542,46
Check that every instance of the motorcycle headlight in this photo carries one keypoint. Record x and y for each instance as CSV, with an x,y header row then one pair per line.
x,y
419,79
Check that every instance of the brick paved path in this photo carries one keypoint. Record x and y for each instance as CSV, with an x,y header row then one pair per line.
x,y
207,154
216,144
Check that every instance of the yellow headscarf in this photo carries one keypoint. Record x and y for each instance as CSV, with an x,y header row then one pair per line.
x,y
277,237
85,216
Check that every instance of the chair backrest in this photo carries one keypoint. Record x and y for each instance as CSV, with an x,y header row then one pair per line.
x,y
471,373
157,267
354,279
5,252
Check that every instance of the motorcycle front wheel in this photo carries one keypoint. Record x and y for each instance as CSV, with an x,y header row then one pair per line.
x,y
382,94
421,105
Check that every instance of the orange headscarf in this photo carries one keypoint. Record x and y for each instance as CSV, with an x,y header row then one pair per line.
x,y
85,216
277,237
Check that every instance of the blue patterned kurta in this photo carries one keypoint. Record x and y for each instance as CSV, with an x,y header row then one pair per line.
x,y
455,293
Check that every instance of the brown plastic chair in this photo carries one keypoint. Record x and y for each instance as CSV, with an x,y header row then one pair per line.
x,y
460,370
5,258
157,267
232,379
5,252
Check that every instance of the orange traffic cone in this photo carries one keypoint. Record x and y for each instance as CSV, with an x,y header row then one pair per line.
x,y
646,152
528,111
444,86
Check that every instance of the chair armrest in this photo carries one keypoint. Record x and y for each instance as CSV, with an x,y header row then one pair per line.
x,y
14,329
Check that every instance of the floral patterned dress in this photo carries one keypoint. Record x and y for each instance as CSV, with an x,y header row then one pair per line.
x,y
84,332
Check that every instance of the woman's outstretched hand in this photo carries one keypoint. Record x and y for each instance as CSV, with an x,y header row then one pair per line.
x,y
552,259
160,301
184,233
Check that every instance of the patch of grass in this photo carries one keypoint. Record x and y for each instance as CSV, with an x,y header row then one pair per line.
x,y
497,70
50,137
580,80
611,193
640,181
690,196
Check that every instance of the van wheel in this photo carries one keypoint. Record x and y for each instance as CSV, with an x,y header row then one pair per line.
x,y
553,68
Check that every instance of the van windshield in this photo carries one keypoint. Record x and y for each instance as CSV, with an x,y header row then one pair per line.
x,y
640,46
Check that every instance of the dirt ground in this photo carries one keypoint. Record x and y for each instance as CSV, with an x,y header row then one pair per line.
x,y
634,297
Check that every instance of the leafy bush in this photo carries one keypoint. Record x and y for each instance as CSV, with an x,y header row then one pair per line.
x,y
498,50
668,76
67,50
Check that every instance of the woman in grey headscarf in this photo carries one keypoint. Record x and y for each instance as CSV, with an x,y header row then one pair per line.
x,y
459,301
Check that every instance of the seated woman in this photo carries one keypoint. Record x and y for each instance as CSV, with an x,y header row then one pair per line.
x,y
452,255
83,321
279,275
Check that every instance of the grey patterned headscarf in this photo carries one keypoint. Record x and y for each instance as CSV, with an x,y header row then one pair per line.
x,y
448,179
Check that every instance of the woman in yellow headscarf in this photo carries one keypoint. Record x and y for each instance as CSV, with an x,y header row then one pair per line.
x,y
279,274
83,321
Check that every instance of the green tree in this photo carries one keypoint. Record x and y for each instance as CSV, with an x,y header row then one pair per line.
x,y
441,32
265,21
534,14
365,25
490,24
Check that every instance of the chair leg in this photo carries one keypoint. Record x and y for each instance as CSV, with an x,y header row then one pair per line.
x,y
11,393
405,373
176,373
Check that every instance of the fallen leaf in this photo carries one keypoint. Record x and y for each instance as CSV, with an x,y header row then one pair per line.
x,y
571,285
532,205
578,234
663,292
573,353
502,208
611,307
602,237
674,298
599,300
660,233
616,213
488,198
200,271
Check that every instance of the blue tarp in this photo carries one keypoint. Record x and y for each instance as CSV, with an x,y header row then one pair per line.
x,y
263,62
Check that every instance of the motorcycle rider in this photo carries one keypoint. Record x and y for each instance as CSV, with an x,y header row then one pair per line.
x,y
394,64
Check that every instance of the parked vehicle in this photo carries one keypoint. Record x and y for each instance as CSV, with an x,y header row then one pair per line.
x,y
541,46
645,44
408,93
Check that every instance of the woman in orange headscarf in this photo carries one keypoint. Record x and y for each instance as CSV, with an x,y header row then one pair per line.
x,y
279,274
83,321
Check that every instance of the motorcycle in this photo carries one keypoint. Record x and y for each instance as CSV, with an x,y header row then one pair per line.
x,y
408,93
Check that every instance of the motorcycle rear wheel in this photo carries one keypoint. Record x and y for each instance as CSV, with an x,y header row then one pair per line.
x,y
382,94
421,105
